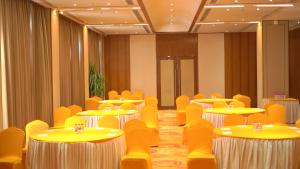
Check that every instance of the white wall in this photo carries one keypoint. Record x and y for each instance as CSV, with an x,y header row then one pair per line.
x,y
211,71
143,64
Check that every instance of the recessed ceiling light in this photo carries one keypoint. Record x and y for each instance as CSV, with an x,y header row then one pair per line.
x,y
236,1
243,19
172,4
227,9
274,5
90,9
224,6
171,9
235,24
298,22
116,12
101,22
61,12
74,4
105,8
257,9
270,0
108,3
218,20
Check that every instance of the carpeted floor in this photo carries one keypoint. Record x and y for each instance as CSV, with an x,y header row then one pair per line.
x,y
170,154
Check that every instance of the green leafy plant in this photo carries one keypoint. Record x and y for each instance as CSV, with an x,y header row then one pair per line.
x,y
96,82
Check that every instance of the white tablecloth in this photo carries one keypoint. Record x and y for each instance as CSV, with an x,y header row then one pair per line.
x,y
292,109
92,121
216,119
84,155
241,153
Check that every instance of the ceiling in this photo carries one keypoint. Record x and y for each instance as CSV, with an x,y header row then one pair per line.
x,y
159,16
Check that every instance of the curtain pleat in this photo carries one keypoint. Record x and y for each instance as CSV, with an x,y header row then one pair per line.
x,y
27,48
96,51
71,62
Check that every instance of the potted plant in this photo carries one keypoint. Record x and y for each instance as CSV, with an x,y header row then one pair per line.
x,y
96,82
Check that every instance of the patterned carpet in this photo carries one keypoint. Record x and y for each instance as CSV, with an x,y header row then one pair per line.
x,y
170,154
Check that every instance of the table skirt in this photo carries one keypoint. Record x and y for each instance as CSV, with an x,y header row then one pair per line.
x,y
92,121
84,155
216,119
292,109
234,153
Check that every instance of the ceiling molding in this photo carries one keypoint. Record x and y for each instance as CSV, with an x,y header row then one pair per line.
x,y
44,3
141,4
199,10
73,18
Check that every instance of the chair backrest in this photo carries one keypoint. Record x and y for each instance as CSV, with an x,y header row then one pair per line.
x,y
60,115
277,114
11,142
150,116
203,123
234,119
125,94
219,104
109,122
138,95
131,124
257,118
193,112
217,95
242,98
137,140
128,106
151,101
91,104
298,123
71,121
106,106
182,102
34,127
266,106
113,95
97,98
199,142
75,109
236,103
199,96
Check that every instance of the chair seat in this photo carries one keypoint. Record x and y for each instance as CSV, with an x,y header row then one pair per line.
x,y
180,117
136,160
198,160
10,159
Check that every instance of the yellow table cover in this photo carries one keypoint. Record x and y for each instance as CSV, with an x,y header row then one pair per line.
x,y
267,132
234,110
211,101
114,112
119,102
70,136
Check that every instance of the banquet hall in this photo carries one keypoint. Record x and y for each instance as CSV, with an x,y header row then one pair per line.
x,y
149,84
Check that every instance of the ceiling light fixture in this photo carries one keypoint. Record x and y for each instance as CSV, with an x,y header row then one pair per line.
x,y
224,6
90,9
136,8
257,9
108,3
209,23
141,24
274,5
104,8
74,4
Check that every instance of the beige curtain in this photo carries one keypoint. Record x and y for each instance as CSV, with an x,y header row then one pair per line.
x,y
71,62
27,48
96,51
1,38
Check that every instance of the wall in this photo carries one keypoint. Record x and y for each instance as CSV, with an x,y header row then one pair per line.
x,y
294,61
143,64
211,63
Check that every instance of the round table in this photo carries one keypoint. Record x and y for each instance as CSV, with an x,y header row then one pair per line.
x,y
207,103
216,115
117,103
292,107
245,147
94,148
92,116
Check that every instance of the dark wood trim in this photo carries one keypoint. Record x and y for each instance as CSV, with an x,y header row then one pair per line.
x,y
141,4
197,14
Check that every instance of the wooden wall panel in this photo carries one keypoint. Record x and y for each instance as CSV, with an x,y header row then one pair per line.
x,y
117,62
240,65
294,61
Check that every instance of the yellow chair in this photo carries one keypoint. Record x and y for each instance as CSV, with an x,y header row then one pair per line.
x,y
132,124
137,143
193,113
128,106
150,117
125,94
219,104
181,103
71,121
266,106
109,122
151,101
106,106
91,104
11,145
34,127
60,115
234,119
257,118
199,96
75,109
113,95
216,95
138,95
236,103
242,98
97,98
276,114
298,123
200,147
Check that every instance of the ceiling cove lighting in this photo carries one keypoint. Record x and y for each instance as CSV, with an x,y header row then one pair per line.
x,y
209,23
224,6
215,23
274,5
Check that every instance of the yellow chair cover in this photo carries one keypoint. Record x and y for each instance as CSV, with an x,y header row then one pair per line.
x,y
217,95
35,127
113,95
109,122
199,96
236,103
193,113
150,117
125,94
298,123
60,115
75,109
106,106
276,114
242,98
181,103
11,144
138,95
132,124
151,101
234,119
91,104
97,98
257,118
128,106
71,121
